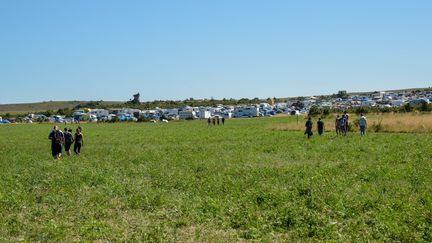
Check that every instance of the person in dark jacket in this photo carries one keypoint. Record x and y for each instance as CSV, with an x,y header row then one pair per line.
x,y
56,137
320,125
337,125
347,116
79,141
309,125
223,120
342,125
68,140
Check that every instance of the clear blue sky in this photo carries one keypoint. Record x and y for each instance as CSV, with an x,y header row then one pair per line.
x,y
102,49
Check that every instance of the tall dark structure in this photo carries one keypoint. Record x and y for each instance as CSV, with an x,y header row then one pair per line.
x,y
136,99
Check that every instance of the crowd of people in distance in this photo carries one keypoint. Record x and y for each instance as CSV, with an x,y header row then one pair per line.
x,y
59,139
341,125
216,120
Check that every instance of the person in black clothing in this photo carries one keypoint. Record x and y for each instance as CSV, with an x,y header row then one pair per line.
x,y
337,127
68,140
309,125
209,121
346,121
214,121
79,141
218,120
320,125
342,125
223,120
56,137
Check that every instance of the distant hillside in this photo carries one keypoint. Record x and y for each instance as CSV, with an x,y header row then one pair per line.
x,y
44,106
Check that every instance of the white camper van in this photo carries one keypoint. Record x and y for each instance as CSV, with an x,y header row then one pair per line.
x,y
99,113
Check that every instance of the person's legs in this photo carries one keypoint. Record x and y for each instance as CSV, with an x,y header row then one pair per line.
x,y
54,151
78,148
57,151
60,150
362,130
67,148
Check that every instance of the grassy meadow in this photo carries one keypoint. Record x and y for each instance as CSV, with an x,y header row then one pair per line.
x,y
250,180
414,122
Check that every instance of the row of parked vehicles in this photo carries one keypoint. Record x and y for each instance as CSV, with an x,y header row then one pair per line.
x,y
4,121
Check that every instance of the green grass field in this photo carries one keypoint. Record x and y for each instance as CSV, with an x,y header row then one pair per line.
x,y
186,181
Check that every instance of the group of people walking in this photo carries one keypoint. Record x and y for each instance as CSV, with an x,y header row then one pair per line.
x,y
341,125
59,139
216,120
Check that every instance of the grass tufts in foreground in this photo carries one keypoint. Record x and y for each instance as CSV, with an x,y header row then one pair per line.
x,y
186,181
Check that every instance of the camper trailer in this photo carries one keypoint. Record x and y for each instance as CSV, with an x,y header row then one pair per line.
x,y
99,113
